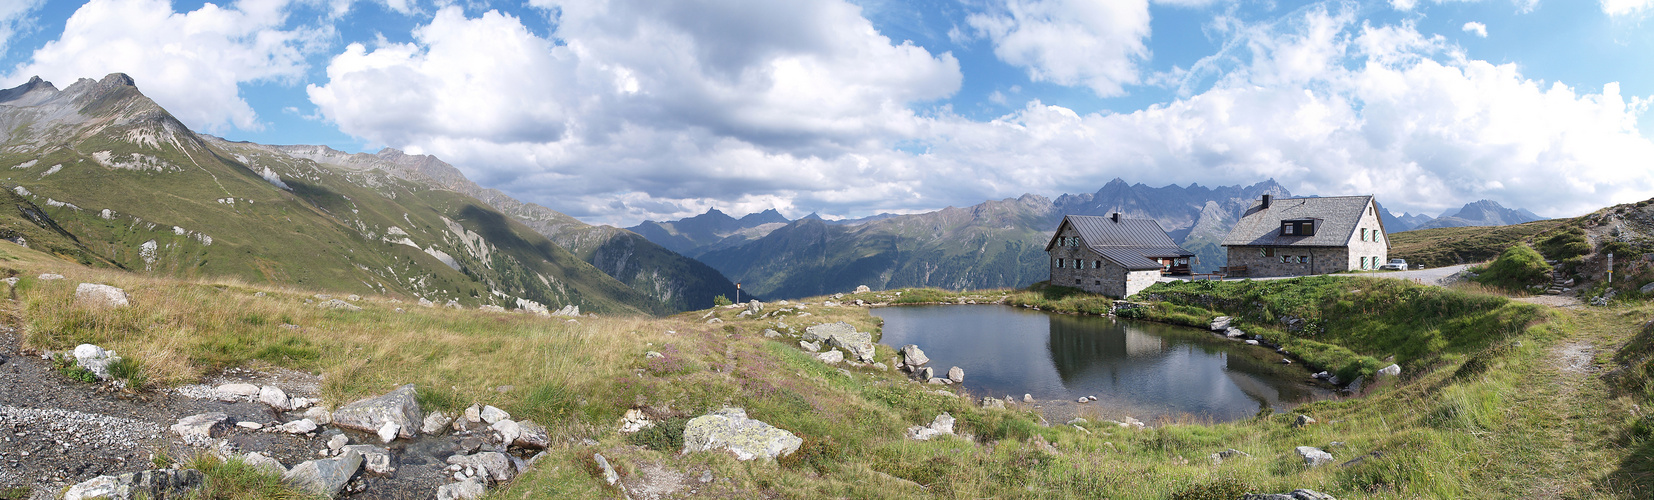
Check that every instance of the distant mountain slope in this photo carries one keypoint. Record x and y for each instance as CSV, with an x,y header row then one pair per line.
x,y
713,229
993,244
1482,213
679,283
134,187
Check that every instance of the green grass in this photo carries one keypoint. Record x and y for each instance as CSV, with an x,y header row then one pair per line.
x,y
1464,245
1519,269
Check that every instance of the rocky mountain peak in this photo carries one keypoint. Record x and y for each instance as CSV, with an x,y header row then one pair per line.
x,y
35,87
117,80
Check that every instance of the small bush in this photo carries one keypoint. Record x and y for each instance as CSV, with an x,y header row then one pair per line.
x,y
1223,488
1518,268
129,370
66,366
234,479
1564,244
665,436
721,301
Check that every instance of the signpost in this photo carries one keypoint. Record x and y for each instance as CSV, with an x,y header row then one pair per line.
x,y
1610,269
738,284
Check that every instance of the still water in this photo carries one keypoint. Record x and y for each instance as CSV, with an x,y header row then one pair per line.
x,y
1137,368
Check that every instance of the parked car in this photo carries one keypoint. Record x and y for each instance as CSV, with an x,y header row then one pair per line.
x,y
1395,264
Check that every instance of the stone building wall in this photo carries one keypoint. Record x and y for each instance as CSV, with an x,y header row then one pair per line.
x,y
1098,275
1266,262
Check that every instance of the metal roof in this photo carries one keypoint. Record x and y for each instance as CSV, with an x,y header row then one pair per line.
x,y
1338,216
1132,243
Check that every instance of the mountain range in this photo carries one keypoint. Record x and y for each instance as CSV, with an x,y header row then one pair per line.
x,y
992,244
101,174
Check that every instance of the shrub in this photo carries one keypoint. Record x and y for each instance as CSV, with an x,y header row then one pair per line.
x,y
664,436
721,301
1223,488
130,371
1564,244
1518,268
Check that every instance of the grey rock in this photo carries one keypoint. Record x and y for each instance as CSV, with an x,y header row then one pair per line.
x,y
434,423
324,477
1027,398
858,345
1234,333
942,425
377,459
1394,370
755,307
370,415
319,415
300,426
957,375
1303,420
1219,457
1314,457
862,289
97,295
1648,288
1220,323
468,489
264,464
200,429
772,334
338,304
243,390
50,277
938,381
831,357
95,359
609,474
275,397
496,464
992,402
747,438
157,484
926,373
337,442
532,435
1300,494
506,430
490,414
809,346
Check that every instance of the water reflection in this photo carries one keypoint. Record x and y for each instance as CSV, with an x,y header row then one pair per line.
x,y
1146,369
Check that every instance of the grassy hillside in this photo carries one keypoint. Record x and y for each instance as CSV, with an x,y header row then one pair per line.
x,y
1463,245
1493,401
131,186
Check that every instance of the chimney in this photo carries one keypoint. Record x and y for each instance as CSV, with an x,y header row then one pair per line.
x,y
1116,217
1266,202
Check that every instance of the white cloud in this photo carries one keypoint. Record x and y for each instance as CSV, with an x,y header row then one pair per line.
x,y
1404,4
1626,7
1071,42
1476,28
14,14
191,63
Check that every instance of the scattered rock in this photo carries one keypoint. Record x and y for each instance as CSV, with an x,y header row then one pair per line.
x,y
863,289
1314,457
653,355
755,307
263,463
434,423
338,304
993,402
1219,457
532,435
1234,333
1303,420
1295,495
490,414
507,431
769,333
1394,370
275,397
300,426
200,429
858,345
1220,323
497,465
50,277
1083,400
319,415
96,295
747,438
831,357
938,381
634,420
940,426
1027,398
95,359
324,477
957,375
809,346
337,442
388,432
926,373
157,484
377,459
468,489
371,415
609,474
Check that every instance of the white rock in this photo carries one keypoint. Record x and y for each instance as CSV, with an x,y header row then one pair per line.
x,y
508,431
942,425
435,422
957,375
250,425
275,397
337,442
387,432
324,477
319,415
1393,370
99,295
1314,457
635,420
300,426
747,438
50,277
473,414
831,357
377,459
200,429
466,489
490,414
263,463
1027,398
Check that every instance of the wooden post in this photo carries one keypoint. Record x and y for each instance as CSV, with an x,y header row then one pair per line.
x,y
737,292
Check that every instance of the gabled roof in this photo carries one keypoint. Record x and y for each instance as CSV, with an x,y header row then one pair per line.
x,y
1338,217
1128,242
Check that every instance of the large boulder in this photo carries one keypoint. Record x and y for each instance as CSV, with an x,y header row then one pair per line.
x,y
264,464
956,374
324,477
532,435
96,295
200,429
339,304
275,397
843,336
158,484
468,489
913,356
747,438
941,426
1394,370
1220,323
370,415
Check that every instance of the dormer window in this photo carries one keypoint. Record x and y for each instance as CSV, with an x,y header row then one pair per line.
x,y
1298,227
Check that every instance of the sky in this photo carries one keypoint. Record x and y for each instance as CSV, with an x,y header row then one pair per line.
x,y
617,111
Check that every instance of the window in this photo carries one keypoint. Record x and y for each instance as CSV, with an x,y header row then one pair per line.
x,y
1363,262
1061,263
1298,227
1363,234
1096,264
1287,228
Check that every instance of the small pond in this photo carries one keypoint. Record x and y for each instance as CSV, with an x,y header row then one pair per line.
x,y
1150,371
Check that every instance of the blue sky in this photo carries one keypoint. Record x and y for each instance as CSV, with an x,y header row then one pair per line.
x,y
623,110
